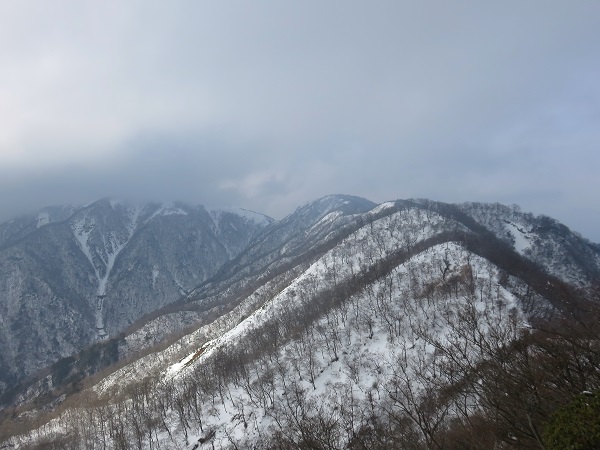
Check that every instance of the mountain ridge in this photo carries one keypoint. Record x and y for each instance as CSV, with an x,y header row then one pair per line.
x,y
78,265
332,252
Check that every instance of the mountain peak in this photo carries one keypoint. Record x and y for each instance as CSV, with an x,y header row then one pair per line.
x,y
346,204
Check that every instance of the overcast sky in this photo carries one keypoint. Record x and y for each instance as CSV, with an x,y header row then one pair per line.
x,y
269,104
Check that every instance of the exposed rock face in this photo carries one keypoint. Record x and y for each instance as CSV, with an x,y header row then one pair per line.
x,y
72,276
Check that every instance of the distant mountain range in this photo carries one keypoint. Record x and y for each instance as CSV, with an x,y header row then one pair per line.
x,y
71,276
174,294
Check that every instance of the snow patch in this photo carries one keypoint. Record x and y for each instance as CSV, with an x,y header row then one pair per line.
x,y
110,262
155,273
167,209
328,218
522,239
116,202
382,207
82,229
173,211
250,216
111,247
43,218
133,221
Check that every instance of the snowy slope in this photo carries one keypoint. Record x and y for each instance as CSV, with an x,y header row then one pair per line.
x,y
343,317
543,240
353,346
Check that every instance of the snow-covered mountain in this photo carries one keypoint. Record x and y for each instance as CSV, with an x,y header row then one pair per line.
x,y
541,239
19,227
75,275
345,325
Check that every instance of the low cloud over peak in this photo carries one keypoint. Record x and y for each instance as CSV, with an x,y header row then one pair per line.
x,y
269,104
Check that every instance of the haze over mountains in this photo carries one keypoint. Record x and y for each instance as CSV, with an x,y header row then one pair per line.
x,y
315,300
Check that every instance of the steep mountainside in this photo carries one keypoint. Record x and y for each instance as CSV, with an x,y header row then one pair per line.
x,y
70,277
303,235
345,325
19,227
543,240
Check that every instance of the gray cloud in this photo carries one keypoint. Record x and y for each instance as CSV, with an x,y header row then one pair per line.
x,y
269,104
